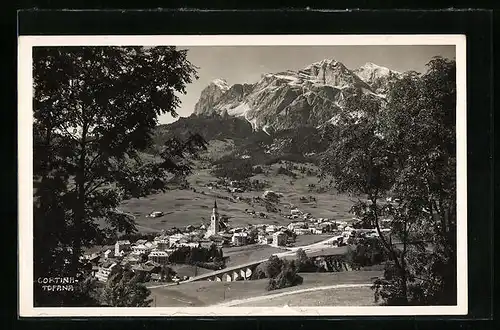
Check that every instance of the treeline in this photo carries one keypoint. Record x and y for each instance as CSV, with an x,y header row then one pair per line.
x,y
213,127
236,168
233,168
211,258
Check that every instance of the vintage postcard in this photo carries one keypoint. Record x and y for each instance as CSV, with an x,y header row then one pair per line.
x,y
242,175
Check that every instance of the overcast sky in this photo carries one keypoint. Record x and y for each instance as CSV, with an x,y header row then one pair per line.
x,y
242,64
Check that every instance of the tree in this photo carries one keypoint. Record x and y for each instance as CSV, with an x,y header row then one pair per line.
x,y
253,235
273,266
286,277
304,263
405,147
423,138
302,257
123,289
94,111
166,273
367,252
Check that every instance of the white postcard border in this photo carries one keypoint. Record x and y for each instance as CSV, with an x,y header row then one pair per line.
x,y
25,181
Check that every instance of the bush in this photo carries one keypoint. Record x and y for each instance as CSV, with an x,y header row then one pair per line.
x,y
287,277
281,273
260,272
306,264
194,255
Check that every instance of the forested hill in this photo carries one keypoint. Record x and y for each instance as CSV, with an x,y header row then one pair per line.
x,y
211,128
299,141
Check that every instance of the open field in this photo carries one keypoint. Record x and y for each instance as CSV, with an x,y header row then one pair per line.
x,y
206,293
184,207
302,240
249,253
189,270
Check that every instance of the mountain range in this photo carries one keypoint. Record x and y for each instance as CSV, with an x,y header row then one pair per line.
x,y
311,96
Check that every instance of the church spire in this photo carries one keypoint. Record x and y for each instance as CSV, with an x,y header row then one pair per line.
x,y
214,220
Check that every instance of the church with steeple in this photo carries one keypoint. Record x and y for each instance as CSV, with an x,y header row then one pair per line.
x,y
214,222
214,219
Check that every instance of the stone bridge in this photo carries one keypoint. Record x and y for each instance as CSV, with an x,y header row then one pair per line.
x,y
331,257
236,273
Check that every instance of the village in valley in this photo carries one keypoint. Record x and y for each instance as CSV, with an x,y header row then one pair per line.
x,y
298,188
215,240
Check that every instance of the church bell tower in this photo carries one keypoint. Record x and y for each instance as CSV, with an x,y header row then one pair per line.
x,y
214,220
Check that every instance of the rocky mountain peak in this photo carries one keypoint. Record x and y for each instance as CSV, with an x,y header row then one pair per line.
x,y
210,95
220,83
378,77
284,100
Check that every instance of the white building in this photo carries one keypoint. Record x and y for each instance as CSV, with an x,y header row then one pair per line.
x,y
108,254
239,239
174,239
160,257
104,272
140,249
317,231
302,231
265,239
162,244
296,225
189,244
270,229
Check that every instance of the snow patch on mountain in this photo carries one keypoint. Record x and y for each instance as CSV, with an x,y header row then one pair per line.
x,y
265,128
221,83
378,77
239,110
288,99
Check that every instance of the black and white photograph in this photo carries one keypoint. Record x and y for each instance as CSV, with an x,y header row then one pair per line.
x,y
242,175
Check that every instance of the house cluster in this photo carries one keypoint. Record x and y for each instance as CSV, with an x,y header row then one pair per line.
x,y
229,186
148,256
142,256
348,234
304,223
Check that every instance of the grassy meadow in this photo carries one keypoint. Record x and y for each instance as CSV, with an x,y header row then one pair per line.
x,y
205,293
184,207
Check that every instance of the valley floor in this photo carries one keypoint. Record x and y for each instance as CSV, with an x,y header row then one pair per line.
x,y
182,207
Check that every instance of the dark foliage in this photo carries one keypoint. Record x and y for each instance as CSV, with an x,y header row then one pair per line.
x,y
405,147
211,128
124,289
233,169
95,109
196,255
367,252
281,273
286,277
